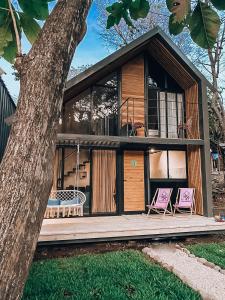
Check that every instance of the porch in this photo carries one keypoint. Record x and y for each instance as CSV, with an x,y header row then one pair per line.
x,y
125,227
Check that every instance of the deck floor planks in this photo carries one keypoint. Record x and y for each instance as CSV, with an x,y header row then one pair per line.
x,y
78,229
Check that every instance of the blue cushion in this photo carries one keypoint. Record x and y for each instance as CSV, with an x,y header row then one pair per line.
x,y
52,202
70,202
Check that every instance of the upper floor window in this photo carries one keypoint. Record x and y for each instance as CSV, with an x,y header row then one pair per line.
x,y
165,103
92,111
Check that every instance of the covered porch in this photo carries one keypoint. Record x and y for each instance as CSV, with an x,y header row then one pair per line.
x,y
126,227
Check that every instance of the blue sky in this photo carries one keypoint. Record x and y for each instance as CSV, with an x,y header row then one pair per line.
x,y
89,51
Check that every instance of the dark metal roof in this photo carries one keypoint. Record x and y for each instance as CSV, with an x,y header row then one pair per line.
x,y
121,56
7,91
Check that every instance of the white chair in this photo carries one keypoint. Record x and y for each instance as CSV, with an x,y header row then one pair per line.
x,y
69,203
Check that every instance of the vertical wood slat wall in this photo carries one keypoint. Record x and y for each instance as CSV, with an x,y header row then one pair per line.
x,y
134,196
195,175
192,111
133,88
193,152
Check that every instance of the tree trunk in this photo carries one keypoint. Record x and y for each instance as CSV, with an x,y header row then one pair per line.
x,y
26,170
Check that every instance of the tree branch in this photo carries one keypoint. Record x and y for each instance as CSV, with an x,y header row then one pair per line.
x,y
18,42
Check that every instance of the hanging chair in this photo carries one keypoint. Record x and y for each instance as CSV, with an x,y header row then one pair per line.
x,y
67,203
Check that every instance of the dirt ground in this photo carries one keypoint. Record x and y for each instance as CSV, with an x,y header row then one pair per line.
x,y
48,252
218,190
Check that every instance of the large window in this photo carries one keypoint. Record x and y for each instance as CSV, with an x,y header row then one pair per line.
x,y
171,114
77,114
167,164
165,103
94,111
104,105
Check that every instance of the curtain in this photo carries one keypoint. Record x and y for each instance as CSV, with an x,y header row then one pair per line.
x,y
172,115
55,173
162,106
103,181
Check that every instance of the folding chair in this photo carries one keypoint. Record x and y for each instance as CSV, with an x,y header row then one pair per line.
x,y
161,201
185,200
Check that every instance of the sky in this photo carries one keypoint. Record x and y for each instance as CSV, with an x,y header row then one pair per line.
x,y
89,51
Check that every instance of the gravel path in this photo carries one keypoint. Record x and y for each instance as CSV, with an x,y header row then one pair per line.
x,y
207,281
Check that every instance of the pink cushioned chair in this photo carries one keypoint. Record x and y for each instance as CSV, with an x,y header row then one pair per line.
x,y
185,200
161,201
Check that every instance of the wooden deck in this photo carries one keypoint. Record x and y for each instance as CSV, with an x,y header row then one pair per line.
x,y
125,227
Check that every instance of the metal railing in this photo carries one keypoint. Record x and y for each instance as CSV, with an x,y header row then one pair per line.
x,y
164,117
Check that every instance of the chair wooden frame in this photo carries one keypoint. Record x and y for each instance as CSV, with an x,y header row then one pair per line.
x,y
184,209
158,210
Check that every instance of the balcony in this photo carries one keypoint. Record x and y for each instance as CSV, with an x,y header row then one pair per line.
x,y
167,117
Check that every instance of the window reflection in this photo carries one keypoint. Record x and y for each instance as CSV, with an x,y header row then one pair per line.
x,y
177,164
158,164
167,164
95,110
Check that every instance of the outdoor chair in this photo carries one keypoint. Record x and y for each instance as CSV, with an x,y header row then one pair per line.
x,y
65,203
161,201
185,201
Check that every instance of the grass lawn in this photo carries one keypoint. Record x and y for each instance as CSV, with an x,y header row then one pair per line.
x,y
214,252
111,276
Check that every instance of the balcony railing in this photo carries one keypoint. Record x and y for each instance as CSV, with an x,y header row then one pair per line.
x,y
165,118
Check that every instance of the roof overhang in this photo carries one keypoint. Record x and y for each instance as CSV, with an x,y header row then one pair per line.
x,y
158,44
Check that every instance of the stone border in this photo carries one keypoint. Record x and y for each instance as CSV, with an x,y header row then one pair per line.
x,y
206,295
201,260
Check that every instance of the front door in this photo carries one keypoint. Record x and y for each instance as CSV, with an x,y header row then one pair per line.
x,y
134,195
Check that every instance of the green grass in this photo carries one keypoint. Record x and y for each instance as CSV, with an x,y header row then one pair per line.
x,y
213,252
111,276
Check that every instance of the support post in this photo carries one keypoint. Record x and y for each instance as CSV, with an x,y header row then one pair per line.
x,y
205,152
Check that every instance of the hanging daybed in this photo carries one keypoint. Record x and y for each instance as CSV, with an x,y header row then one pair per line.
x,y
67,203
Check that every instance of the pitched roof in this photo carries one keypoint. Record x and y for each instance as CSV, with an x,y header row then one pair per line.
x,y
155,42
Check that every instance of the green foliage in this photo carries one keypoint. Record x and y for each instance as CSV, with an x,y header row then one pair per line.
x,y
37,9
213,252
27,14
30,27
201,19
10,51
118,275
175,28
204,25
127,10
179,9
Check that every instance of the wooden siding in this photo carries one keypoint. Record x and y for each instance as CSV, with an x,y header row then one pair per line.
x,y
133,88
195,175
192,111
134,199
168,61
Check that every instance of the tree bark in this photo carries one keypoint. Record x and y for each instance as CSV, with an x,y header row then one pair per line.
x,y
27,167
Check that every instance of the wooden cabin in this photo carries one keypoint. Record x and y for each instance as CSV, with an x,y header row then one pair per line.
x,y
140,119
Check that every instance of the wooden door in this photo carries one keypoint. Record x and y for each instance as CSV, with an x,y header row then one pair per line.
x,y
134,195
